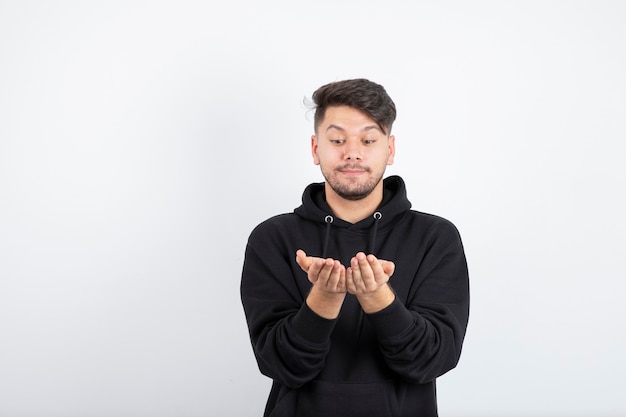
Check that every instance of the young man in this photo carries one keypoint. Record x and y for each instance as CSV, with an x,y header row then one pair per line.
x,y
355,303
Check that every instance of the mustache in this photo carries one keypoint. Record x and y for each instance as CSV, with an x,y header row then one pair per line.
x,y
352,166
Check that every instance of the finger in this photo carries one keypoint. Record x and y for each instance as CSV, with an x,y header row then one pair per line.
x,y
377,269
303,260
327,266
315,268
341,286
337,278
333,277
357,275
350,285
389,267
367,273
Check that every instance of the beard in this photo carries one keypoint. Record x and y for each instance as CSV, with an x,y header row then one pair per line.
x,y
353,189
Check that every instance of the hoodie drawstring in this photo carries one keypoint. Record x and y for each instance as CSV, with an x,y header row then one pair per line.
x,y
328,219
377,216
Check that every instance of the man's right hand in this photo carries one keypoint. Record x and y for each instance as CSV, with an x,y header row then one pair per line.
x,y
328,277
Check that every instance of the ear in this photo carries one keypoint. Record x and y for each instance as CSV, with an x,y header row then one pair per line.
x,y
391,143
316,159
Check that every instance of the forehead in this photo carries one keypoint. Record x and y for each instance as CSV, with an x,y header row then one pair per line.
x,y
346,118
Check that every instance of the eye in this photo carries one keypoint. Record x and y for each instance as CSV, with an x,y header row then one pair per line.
x,y
337,141
369,141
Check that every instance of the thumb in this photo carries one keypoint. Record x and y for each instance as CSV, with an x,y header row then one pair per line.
x,y
388,267
303,260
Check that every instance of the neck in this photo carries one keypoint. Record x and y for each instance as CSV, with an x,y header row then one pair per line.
x,y
354,211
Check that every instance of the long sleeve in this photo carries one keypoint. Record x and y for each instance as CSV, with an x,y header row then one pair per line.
x,y
289,340
421,336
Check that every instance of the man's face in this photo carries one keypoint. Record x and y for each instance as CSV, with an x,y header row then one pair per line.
x,y
352,152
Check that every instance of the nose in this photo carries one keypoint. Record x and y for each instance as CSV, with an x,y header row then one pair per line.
x,y
352,152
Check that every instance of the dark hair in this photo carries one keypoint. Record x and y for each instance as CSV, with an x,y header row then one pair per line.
x,y
361,94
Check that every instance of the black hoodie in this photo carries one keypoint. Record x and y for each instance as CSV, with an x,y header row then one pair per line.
x,y
381,364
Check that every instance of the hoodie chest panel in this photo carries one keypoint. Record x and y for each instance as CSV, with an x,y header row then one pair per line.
x,y
403,244
343,245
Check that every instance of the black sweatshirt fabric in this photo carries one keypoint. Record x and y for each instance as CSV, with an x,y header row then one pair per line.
x,y
383,364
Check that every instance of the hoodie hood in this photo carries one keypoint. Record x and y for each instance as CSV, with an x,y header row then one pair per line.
x,y
315,208
393,207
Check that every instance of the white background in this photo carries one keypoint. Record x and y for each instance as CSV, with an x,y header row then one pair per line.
x,y
141,141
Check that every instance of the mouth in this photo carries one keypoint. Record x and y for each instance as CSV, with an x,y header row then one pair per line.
x,y
352,170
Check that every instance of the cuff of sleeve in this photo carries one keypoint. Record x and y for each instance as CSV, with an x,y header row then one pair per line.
x,y
391,321
312,327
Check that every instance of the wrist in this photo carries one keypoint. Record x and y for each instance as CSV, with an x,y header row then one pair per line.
x,y
378,300
325,304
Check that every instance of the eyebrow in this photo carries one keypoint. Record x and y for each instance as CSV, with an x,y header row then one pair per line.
x,y
365,129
